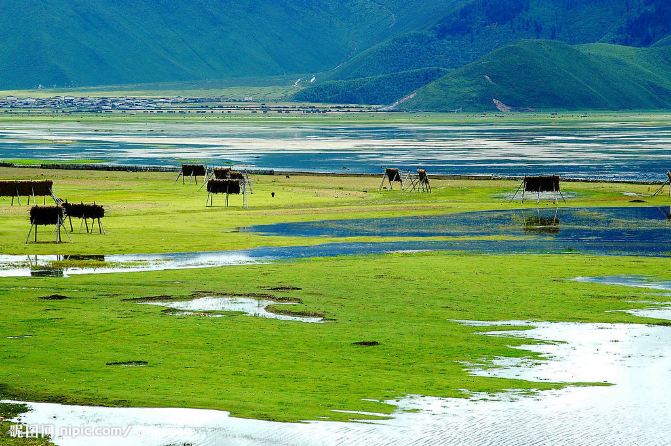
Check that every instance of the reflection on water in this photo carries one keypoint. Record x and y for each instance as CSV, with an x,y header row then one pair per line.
x,y
52,272
246,305
62,266
542,223
53,266
606,224
595,150
601,231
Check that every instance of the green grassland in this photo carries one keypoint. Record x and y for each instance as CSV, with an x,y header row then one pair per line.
x,y
176,219
566,119
279,370
258,93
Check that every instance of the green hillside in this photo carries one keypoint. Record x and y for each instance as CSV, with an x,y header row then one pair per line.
x,y
101,42
663,42
358,51
372,90
552,75
474,28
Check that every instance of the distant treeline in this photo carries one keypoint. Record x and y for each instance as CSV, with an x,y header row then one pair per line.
x,y
651,25
480,13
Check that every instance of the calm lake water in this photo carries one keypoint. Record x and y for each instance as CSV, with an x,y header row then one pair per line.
x,y
641,231
608,150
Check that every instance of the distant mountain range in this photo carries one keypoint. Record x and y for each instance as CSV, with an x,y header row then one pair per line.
x,y
415,54
531,75
98,42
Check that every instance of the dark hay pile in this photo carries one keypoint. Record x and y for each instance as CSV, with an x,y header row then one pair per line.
x,y
128,363
284,288
46,215
542,184
226,173
393,175
26,188
196,170
222,173
85,211
8,188
223,187
54,297
366,343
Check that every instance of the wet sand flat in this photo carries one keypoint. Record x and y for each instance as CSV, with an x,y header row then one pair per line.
x,y
604,150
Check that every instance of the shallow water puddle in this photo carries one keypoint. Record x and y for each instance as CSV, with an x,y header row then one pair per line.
x,y
629,231
246,305
660,310
635,281
598,224
634,410
56,266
